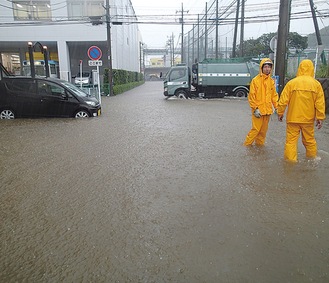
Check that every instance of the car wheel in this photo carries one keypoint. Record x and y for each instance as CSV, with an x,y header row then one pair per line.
x,y
7,114
81,114
241,93
181,94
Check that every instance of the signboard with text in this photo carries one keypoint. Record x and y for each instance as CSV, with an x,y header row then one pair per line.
x,y
95,63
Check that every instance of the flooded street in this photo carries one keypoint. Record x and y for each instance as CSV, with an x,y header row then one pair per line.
x,y
158,190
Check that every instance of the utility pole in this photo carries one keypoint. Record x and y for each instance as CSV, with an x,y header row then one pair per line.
x,y
236,28
173,49
283,31
318,37
171,45
141,57
242,29
198,45
206,33
193,48
315,22
181,20
182,37
109,47
216,45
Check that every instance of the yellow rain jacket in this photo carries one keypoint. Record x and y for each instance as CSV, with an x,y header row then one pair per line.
x,y
304,95
262,94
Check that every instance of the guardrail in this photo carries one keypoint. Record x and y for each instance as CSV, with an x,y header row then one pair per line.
x,y
92,91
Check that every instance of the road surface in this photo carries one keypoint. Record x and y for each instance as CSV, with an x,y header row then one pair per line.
x,y
160,190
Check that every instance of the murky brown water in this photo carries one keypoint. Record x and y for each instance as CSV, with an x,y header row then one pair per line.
x,y
160,190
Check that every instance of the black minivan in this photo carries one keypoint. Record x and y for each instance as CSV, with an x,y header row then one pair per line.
x,y
44,97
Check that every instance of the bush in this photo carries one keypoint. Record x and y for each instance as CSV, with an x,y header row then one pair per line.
x,y
322,72
122,81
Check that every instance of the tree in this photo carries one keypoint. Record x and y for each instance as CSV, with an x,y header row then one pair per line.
x,y
261,45
296,41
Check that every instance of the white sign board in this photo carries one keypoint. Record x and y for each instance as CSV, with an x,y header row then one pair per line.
x,y
95,63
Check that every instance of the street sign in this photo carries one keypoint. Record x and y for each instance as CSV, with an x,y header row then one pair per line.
x,y
273,43
95,63
94,53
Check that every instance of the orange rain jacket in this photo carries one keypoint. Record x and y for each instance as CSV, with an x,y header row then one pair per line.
x,y
304,96
262,94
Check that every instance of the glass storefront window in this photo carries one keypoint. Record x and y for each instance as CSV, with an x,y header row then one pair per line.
x,y
31,10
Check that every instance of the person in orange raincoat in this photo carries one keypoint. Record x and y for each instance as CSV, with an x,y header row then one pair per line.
x,y
304,97
262,98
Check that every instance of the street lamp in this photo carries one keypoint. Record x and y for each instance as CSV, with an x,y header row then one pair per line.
x,y
32,67
44,51
45,56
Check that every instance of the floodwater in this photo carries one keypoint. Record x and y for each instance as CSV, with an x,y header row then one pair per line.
x,y
160,190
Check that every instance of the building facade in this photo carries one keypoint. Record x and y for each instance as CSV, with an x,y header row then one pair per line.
x,y
68,28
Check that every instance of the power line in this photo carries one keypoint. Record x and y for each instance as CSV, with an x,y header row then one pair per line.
x,y
224,22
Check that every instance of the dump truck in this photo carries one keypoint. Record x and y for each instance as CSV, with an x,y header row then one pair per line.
x,y
210,80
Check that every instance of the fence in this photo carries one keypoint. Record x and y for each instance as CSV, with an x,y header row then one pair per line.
x,y
91,91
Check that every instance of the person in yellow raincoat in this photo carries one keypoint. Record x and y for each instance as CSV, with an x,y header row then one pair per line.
x,y
304,97
262,98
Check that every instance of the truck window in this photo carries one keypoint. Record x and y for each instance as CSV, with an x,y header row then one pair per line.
x,y
177,74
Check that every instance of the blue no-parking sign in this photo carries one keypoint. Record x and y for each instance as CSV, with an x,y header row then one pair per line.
x,y
94,53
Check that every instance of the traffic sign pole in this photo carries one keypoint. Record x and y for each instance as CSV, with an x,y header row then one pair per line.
x,y
81,74
95,53
99,86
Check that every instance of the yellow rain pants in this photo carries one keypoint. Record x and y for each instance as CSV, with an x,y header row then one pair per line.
x,y
258,130
292,136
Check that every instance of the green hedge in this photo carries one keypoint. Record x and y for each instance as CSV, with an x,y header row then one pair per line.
x,y
322,72
122,81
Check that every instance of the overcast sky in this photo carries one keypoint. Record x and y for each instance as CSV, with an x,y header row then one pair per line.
x,y
156,35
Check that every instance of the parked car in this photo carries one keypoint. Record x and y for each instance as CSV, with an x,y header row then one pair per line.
x,y
44,97
84,78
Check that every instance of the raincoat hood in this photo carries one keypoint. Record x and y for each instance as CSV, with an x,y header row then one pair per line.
x,y
264,61
306,68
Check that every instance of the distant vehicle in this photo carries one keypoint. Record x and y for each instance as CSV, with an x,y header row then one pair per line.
x,y
44,97
210,79
154,77
84,79
40,68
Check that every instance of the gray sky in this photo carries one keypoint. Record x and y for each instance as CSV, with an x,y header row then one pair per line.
x,y
156,35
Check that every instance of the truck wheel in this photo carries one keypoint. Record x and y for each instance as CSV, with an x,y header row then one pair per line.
x,y
181,94
241,93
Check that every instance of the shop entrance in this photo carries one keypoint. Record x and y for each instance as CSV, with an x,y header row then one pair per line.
x,y
11,62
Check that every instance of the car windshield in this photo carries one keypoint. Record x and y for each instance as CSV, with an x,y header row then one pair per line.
x,y
84,75
77,91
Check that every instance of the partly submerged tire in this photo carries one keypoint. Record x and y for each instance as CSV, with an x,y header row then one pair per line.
x,y
7,114
181,94
241,93
82,114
